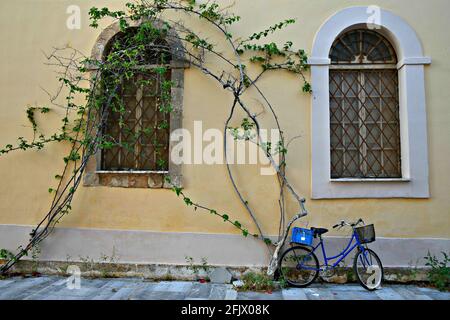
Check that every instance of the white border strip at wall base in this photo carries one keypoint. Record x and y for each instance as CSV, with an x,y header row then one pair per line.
x,y
147,247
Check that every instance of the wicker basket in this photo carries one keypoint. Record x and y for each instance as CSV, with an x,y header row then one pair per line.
x,y
365,234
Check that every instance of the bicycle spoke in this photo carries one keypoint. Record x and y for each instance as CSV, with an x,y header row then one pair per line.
x,y
368,269
298,266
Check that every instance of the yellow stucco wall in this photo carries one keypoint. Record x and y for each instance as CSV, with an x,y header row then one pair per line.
x,y
30,26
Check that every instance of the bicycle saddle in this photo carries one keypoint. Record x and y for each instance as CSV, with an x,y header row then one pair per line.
x,y
319,231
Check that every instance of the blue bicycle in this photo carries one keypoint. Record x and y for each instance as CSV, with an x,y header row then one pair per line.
x,y
299,265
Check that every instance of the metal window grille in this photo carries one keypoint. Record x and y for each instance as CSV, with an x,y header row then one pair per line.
x,y
140,133
364,110
362,47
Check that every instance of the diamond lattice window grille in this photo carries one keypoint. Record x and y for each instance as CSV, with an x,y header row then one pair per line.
x,y
364,114
140,132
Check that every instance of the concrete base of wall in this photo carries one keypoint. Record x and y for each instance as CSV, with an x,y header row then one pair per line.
x,y
90,269
159,248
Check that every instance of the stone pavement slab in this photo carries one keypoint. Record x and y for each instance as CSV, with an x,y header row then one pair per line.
x,y
276,295
388,294
218,292
55,288
294,294
199,291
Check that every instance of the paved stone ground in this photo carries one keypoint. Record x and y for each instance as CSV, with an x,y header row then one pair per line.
x,y
55,288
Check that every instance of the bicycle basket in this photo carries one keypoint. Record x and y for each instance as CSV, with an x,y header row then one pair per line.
x,y
366,234
302,236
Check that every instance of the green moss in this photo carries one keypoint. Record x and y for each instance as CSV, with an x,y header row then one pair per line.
x,y
257,282
439,274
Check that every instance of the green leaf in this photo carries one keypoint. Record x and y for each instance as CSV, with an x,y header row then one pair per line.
x,y
306,87
177,190
188,201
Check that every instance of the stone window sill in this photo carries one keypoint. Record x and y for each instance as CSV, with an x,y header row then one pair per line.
x,y
128,179
371,180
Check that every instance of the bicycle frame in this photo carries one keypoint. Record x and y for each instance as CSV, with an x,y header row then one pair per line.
x,y
341,256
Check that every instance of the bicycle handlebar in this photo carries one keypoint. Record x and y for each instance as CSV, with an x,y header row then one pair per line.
x,y
345,223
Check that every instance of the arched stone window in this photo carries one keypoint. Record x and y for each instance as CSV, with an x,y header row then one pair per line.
x,y
141,158
141,132
369,122
364,107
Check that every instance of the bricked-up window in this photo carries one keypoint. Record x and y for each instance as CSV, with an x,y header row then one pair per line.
x,y
141,130
364,107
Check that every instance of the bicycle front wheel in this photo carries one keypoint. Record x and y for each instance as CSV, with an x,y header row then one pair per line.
x,y
299,267
368,269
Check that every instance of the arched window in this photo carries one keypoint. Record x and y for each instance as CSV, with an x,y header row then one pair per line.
x,y
352,60
364,107
151,107
139,122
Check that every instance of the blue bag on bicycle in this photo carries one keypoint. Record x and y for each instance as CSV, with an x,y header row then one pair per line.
x,y
302,236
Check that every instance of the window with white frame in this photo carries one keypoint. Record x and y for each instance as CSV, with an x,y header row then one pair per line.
x,y
368,113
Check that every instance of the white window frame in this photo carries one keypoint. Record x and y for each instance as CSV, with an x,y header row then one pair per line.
x,y
413,118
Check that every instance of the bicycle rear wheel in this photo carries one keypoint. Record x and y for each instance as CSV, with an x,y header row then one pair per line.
x,y
368,269
299,266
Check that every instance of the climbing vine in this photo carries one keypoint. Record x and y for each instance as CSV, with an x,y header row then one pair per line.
x,y
144,30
